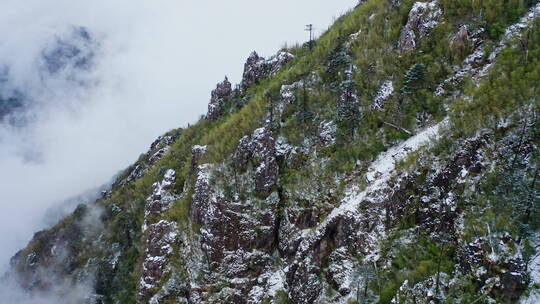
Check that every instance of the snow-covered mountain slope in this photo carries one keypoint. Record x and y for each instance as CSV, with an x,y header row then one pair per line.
x,y
393,160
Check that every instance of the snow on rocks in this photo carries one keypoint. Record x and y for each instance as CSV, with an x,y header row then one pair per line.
x,y
512,32
276,62
221,93
159,241
340,270
201,197
425,290
266,174
197,156
288,91
357,225
236,235
326,134
159,236
116,253
422,19
470,66
252,71
161,198
380,170
268,284
385,91
289,154
227,224
276,282
244,152
476,65
493,259
261,146
534,272
159,148
257,68
162,144
158,155
377,176
137,172
515,30
354,37
283,148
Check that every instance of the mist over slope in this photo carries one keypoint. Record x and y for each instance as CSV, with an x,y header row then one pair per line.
x,y
394,159
85,87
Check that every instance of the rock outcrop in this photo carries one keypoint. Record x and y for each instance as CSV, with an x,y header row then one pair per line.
x,y
385,91
263,207
423,17
264,148
159,237
220,94
244,151
461,38
257,68
326,134
159,241
158,149
260,149
201,197
161,198
197,156
237,237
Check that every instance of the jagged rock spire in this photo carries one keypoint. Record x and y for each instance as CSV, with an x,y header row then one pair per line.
x,y
221,93
257,68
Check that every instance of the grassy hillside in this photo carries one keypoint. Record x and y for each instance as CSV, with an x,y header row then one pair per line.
x,y
477,183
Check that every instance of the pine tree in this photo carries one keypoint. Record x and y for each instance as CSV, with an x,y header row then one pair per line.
x,y
271,96
414,79
304,114
337,61
363,274
347,112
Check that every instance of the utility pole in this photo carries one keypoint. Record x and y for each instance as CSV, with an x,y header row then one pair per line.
x,y
309,28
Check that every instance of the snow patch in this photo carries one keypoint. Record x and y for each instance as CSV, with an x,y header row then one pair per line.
x,y
385,91
377,176
534,268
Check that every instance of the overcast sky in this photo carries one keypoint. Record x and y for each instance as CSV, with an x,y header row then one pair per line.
x,y
155,63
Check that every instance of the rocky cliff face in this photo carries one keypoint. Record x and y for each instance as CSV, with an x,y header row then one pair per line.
x,y
423,18
219,96
257,68
430,196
